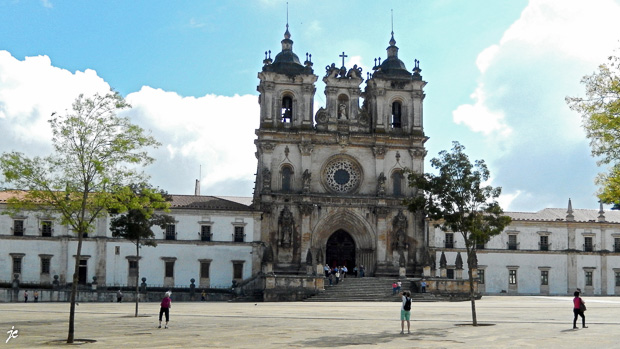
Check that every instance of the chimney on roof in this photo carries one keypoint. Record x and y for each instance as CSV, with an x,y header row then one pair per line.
x,y
569,213
197,188
601,213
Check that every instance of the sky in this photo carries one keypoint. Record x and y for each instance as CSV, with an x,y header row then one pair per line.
x,y
498,72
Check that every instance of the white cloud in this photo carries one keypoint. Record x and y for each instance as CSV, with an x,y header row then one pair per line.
x,y
532,141
479,117
213,131
30,91
506,199
46,3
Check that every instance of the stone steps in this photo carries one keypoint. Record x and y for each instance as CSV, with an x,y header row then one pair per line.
x,y
367,289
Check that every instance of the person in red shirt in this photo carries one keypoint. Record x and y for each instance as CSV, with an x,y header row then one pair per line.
x,y
166,304
579,306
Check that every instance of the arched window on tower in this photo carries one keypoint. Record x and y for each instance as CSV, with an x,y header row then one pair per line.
x,y
396,114
397,183
287,178
287,109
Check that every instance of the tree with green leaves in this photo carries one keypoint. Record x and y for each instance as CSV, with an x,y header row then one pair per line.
x,y
600,112
457,200
143,203
96,152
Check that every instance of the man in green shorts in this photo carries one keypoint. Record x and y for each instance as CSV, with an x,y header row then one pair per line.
x,y
405,312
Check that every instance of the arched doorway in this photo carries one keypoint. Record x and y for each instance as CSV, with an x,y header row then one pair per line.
x,y
340,250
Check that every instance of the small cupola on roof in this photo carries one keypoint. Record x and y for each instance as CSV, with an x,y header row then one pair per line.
x,y
393,67
287,62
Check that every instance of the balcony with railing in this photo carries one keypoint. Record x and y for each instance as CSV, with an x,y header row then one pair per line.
x,y
205,236
544,246
589,247
448,244
513,245
170,235
17,231
617,248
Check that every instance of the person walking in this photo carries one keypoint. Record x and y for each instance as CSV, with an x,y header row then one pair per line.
x,y
25,296
423,286
166,304
203,296
579,306
405,312
36,296
119,296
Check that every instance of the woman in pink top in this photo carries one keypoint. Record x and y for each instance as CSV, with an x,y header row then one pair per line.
x,y
578,311
166,304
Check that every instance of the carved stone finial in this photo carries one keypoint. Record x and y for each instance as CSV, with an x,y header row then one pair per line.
x,y
459,261
443,262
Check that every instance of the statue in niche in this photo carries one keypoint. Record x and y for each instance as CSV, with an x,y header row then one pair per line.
x,y
266,179
286,223
381,184
399,223
305,178
342,111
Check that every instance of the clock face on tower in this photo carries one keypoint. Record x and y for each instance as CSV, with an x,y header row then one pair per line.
x,y
342,175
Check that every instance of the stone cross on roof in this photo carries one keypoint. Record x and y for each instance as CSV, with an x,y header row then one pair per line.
x,y
343,57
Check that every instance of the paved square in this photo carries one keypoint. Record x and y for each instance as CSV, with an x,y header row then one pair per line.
x,y
518,322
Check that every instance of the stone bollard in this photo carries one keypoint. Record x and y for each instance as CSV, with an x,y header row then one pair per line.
x,y
192,289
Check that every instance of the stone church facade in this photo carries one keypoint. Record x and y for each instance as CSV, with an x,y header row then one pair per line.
x,y
330,183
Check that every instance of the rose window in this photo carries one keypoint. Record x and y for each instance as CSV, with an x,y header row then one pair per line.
x,y
342,175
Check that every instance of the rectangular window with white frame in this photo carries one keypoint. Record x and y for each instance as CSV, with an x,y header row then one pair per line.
x,y
588,245
449,243
544,277
18,227
589,278
239,234
512,277
45,264
205,233
512,242
544,243
17,265
171,232
46,228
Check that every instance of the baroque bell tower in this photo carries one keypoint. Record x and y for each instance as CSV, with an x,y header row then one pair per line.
x,y
331,184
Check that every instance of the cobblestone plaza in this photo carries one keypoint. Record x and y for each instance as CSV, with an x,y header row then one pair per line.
x,y
513,322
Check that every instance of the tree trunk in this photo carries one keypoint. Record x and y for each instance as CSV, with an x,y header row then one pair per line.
x,y
471,255
137,273
74,288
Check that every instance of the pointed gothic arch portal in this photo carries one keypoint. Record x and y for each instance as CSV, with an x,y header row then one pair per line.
x,y
340,250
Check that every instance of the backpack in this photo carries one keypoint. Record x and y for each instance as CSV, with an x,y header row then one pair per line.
x,y
407,304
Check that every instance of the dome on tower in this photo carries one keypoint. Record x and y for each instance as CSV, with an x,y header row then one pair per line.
x,y
287,62
392,67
